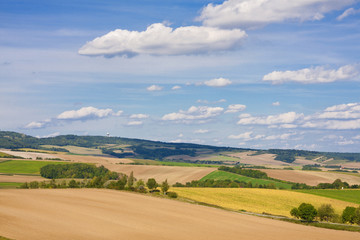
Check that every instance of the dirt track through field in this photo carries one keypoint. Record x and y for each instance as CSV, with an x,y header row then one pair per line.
x,y
104,214
312,178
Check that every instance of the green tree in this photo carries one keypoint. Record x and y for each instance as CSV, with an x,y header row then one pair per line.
x,y
73,184
151,184
131,180
165,186
348,215
326,212
295,213
34,184
307,212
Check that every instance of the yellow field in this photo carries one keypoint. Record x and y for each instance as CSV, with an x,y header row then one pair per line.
x,y
277,202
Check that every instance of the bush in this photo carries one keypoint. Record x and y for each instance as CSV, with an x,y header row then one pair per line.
x,y
326,212
348,215
305,211
172,194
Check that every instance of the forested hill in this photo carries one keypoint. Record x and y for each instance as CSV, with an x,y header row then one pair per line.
x,y
147,148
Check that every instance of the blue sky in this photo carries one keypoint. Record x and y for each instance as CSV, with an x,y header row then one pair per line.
x,y
241,73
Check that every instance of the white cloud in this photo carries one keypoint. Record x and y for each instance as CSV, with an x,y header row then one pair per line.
x,y
276,103
246,136
284,136
257,13
134,123
51,135
284,118
315,75
357,137
234,108
194,113
35,125
83,114
177,87
346,142
159,39
201,131
86,113
207,102
153,88
139,116
347,12
217,82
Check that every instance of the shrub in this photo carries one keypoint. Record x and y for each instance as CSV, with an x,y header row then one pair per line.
x,y
348,215
172,194
326,212
305,211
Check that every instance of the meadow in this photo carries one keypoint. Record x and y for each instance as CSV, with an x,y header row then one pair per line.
x,y
347,195
6,185
24,167
221,175
271,201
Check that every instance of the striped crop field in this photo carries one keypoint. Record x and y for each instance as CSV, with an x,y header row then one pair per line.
x,y
277,202
221,175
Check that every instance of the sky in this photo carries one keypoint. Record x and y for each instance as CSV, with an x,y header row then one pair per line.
x,y
242,73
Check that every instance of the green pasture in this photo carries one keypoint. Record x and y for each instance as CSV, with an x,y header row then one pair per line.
x,y
6,185
348,195
24,167
221,175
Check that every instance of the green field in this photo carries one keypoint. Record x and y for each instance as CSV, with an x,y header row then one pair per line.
x,y
5,155
221,175
347,195
6,185
24,167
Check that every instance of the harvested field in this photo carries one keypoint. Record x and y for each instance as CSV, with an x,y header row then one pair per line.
x,y
311,178
105,214
160,173
94,159
30,155
20,178
262,159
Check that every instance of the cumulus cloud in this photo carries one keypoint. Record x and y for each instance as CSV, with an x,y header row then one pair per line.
x,y
245,136
257,13
194,113
139,116
153,88
217,82
134,123
284,136
86,113
284,118
234,108
315,75
337,117
201,131
347,12
276,103
159,39
82,114
177,87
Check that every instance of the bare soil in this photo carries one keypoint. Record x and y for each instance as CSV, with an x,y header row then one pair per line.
x,y
30,155
57,214
311,178
20,178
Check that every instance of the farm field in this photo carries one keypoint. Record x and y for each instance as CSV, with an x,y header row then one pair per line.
x,y
348,195
5,185
24,166
277,202
311,178
221,175
31,155
79,150
172,173
19,178
261,159
110,214
94,159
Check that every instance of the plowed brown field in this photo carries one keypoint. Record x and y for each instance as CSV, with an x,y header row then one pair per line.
x,y
104,214
311,178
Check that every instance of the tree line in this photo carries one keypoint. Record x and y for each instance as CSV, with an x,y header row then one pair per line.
x,y
211,183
